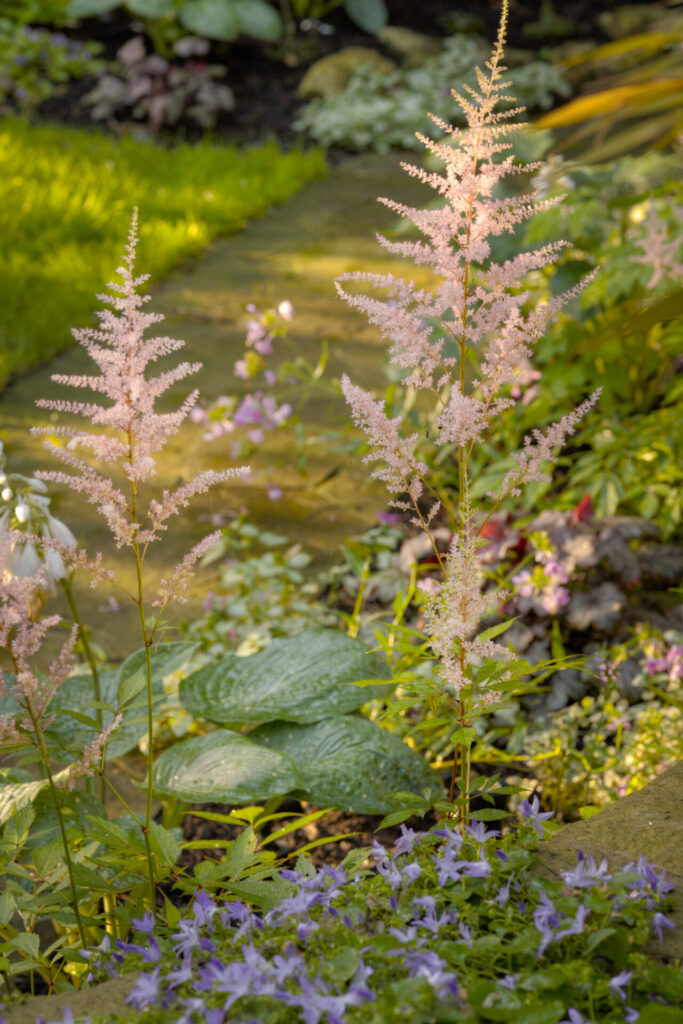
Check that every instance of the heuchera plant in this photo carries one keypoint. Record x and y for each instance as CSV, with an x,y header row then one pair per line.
x,y
468,372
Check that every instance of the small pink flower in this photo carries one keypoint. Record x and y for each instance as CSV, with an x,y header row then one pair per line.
x,y
274,492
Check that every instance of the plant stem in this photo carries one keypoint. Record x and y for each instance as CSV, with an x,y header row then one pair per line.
x,y
90,658
40,739
146,828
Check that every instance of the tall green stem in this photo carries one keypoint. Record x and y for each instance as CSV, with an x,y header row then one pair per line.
x,y
90,658
40,739
146,828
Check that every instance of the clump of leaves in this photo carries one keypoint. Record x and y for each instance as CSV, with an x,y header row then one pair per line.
x,y
153,89
36,64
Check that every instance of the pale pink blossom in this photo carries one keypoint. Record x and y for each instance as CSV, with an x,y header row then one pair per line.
x,y
87,764
132,432
660,252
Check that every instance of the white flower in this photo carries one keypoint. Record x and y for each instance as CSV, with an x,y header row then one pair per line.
x,y
22,512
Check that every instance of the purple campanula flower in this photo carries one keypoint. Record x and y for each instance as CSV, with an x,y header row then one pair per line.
x,y
305,929
502,894
619,981
480,833
545,920
145,923
465,933
406,841
300,903
426,964
574,1017
531,814
502,855
477,868
411,872
576,927
449,869
284,966
409,934
630,1015
660,921
203,908
586,873
146,990
509,981
386,867
179,975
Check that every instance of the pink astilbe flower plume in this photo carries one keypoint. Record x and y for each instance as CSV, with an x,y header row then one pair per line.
x,y
134,432
128,435
22,636
466,344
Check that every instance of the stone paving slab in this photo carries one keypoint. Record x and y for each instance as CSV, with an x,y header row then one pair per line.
x,y
648,822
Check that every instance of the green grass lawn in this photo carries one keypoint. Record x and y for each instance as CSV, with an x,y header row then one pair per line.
x,y
65,202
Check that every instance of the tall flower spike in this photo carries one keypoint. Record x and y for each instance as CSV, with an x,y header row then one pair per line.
x,y
134,432
482,306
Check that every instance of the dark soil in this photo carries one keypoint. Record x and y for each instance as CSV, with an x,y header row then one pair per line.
x,y
264,78
359,830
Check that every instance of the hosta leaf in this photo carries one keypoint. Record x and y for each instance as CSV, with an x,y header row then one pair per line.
x,y
223,767
299,679
350,763
90,8
150,8
370,15
261,21
115,684
213,19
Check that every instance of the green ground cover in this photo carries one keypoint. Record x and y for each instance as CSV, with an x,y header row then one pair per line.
x,y
63,194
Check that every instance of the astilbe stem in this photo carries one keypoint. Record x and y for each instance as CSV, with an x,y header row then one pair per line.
x,y
133,436
483,309
21,637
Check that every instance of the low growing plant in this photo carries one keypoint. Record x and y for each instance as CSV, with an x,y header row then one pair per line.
x,y
450,926
159,92
36,64
378,111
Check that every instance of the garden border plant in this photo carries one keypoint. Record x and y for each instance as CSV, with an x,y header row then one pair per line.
x,y
483,310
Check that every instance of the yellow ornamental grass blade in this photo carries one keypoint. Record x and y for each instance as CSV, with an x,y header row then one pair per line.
x,y
609,102
645,42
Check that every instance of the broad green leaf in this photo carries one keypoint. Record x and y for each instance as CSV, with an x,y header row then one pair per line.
x,y
350,763
260,21
17,791
299,679
90,8
223,767
117,688
370,15
151,8
214,19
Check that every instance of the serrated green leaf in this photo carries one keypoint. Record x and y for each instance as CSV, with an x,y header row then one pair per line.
x,y
489,814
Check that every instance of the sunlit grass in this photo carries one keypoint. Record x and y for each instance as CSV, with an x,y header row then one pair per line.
x,y
65,201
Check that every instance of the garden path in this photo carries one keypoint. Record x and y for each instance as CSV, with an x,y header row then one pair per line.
x,y
294,253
